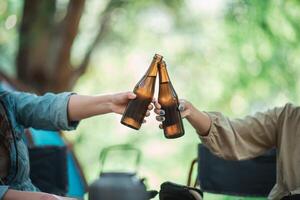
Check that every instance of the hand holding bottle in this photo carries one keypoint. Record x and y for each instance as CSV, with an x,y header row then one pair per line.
x,y
199,120
184,108
136,109
120,100
168,100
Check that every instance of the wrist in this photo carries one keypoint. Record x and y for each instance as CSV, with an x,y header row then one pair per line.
x,y
199,120
102,104
206,125
110,98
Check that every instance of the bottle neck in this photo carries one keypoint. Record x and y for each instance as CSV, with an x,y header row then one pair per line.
x,y
152,71
163,74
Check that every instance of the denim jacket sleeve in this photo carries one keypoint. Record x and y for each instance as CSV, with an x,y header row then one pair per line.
x,y
49,112
3,190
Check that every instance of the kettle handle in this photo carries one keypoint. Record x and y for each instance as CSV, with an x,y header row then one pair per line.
x,y
120,147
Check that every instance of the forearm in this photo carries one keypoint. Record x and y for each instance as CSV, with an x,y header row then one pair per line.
x,y
83,106
21,195
243,138
199,120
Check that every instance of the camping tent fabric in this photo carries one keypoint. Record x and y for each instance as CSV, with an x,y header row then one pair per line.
x,y
76,186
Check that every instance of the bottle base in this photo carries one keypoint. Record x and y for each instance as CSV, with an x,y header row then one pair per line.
x,y
173,132
174,136
131,123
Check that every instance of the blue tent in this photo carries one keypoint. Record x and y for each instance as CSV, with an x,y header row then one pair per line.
x,y
76,181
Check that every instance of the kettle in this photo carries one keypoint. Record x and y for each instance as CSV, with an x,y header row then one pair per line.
x,y
119,185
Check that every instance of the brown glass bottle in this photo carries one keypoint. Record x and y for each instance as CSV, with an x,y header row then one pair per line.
x,y
136,109
167,98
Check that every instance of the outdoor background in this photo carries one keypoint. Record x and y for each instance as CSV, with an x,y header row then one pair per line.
x,y
233,56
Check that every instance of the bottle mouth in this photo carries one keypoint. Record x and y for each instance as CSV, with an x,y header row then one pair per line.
x,y
157,56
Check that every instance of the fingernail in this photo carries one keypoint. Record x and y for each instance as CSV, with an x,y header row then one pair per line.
x,y
181,107
160,118
162,112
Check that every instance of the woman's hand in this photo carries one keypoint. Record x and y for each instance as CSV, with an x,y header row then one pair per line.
x,y
199,120
184,108
120,100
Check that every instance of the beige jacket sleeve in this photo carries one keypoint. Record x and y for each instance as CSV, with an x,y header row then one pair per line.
x,y
245,138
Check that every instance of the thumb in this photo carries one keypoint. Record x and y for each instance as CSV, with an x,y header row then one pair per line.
x,y
181,106
131,95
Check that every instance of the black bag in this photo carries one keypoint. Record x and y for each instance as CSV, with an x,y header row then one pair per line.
x,y
172,191
48,169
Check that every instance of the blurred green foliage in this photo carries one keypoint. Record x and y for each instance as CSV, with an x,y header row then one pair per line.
x,y
10,12
234,56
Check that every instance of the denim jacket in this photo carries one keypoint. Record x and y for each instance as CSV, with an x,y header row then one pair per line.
x,y
48,112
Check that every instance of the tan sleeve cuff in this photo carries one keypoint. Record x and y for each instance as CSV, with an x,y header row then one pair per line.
x,y
212,130
210,140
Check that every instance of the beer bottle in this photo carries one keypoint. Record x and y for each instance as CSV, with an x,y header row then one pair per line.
x,y
167,98
136,109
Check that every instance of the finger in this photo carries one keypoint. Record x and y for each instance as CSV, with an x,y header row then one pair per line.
x,y
159,112
160,126
150,107
156,104
147,113
160,118
184,113
162,112
131,95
